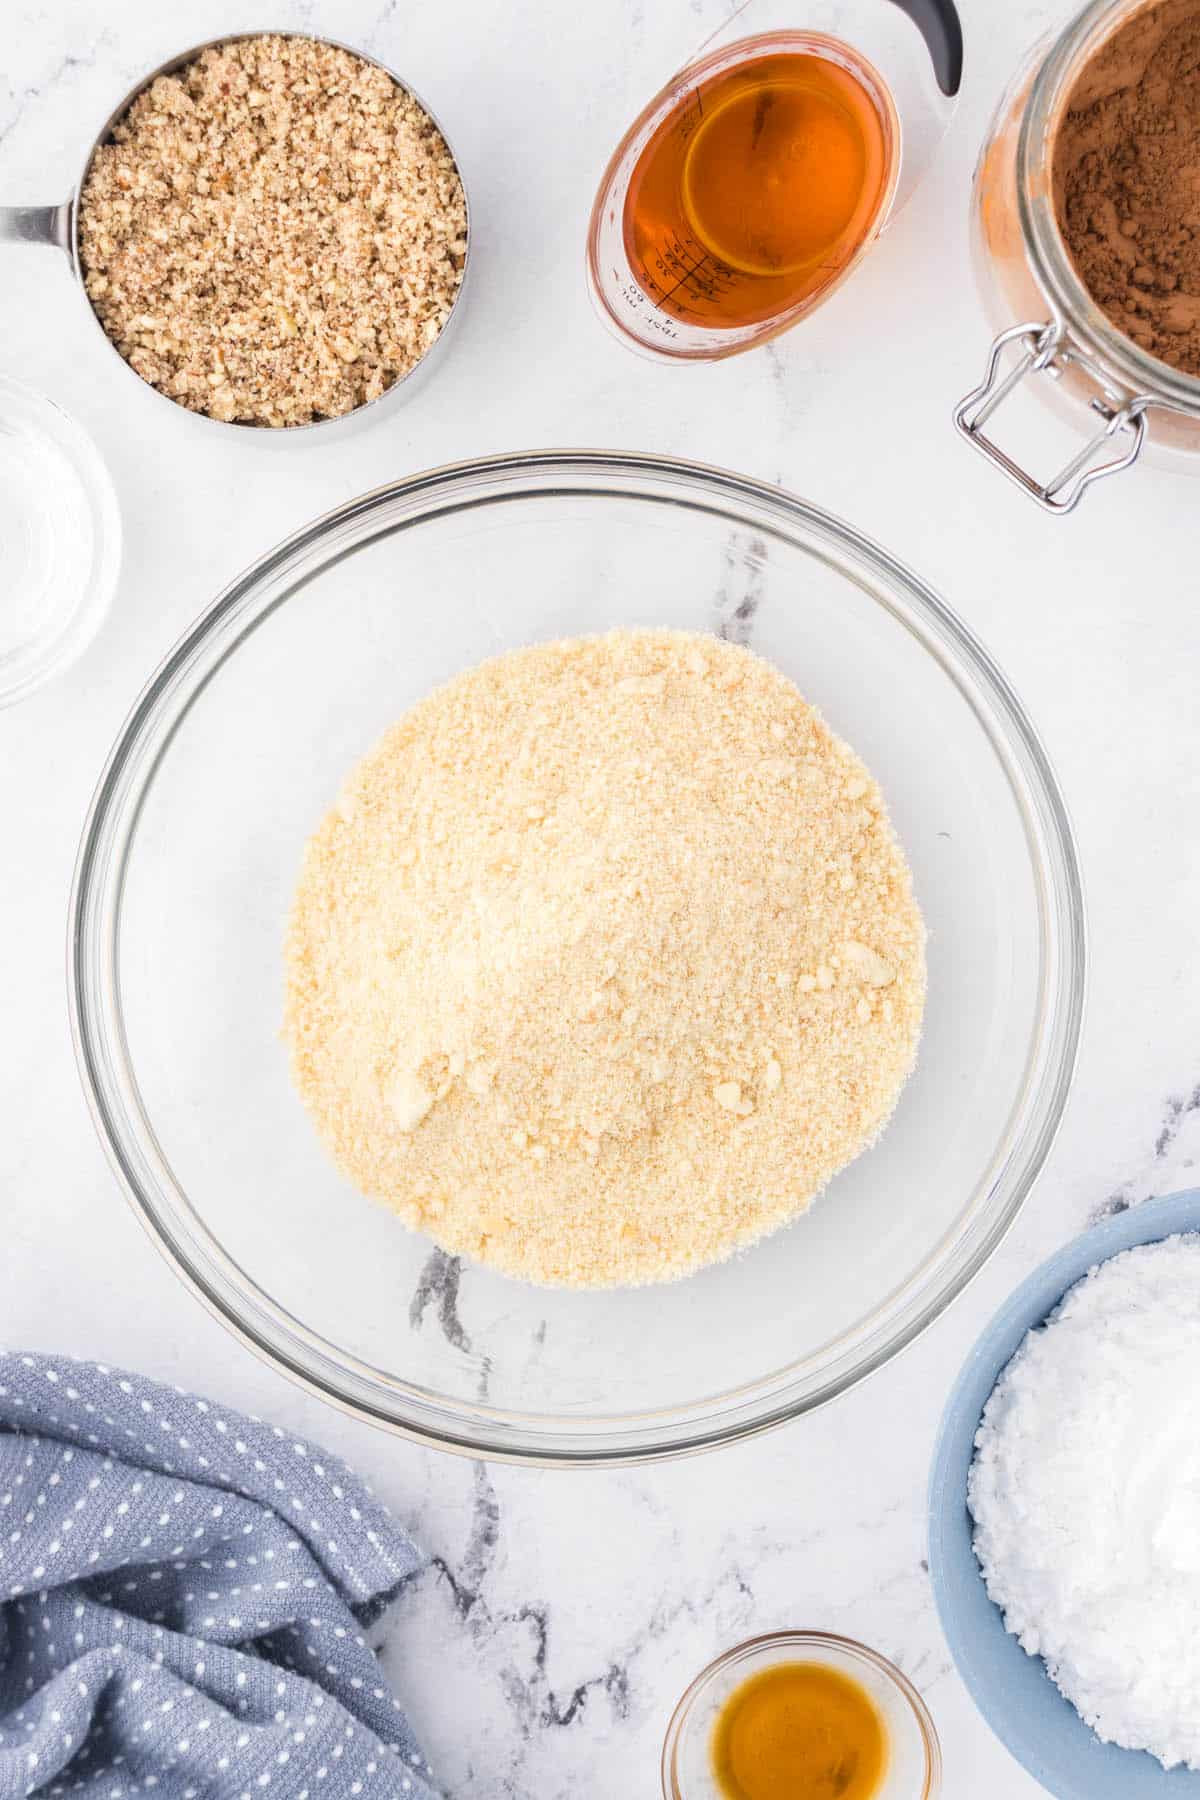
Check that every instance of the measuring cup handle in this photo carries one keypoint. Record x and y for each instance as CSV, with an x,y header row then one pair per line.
x,y
939,24
36,225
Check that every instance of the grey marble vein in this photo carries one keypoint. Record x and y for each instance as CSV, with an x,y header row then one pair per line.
x,y
437,1286
742,585
1168,1164
22,98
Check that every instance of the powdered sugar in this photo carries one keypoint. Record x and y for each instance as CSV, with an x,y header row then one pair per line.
x,y
1085,1491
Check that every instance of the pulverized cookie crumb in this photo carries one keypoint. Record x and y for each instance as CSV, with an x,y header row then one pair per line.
x,y
606,960
275,233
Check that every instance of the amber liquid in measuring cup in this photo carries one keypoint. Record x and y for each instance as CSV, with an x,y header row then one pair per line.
x,y
754,194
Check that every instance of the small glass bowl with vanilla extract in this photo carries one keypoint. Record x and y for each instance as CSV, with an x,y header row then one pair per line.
x,y
801,1715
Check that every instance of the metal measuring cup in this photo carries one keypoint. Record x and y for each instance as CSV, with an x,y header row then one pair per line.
x,y
59,225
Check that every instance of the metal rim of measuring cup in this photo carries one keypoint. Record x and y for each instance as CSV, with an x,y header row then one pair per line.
x,y
657,109
59,225
1129,383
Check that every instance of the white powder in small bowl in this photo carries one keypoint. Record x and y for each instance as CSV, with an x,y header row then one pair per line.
x,y
1085,1490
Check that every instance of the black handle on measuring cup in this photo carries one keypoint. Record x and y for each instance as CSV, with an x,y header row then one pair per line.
x,y
939,24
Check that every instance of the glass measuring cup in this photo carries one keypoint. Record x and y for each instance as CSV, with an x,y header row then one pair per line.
x,y
659,274
58,225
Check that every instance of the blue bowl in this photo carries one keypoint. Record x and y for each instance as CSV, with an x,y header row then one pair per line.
x,y
1012,1689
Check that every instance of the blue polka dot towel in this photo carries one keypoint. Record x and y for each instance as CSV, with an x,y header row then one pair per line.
x,y
183,1594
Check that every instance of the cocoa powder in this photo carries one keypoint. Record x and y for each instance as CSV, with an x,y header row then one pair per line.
x,y
1127,180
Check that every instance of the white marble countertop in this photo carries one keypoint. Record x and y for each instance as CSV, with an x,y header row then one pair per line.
x,y
563,1614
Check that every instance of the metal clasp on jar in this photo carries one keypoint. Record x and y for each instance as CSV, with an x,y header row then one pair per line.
x,y
1045,352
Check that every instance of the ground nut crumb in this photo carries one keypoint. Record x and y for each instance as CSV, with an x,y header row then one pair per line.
x,y
612,1046
275,233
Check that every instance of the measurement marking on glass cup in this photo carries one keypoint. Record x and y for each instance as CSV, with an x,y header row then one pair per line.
x,y
750,197
688,275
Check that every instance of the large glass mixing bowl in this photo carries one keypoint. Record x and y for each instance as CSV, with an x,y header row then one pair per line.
x,y
237,748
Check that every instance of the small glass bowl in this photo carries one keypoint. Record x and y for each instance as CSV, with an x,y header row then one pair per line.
x,y
61,531
914,1764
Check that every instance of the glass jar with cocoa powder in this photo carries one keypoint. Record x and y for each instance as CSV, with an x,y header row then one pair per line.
x,y
1089,271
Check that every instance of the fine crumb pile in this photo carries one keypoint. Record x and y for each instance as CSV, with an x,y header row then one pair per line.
x,y
606,961
1086,1495
274,234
